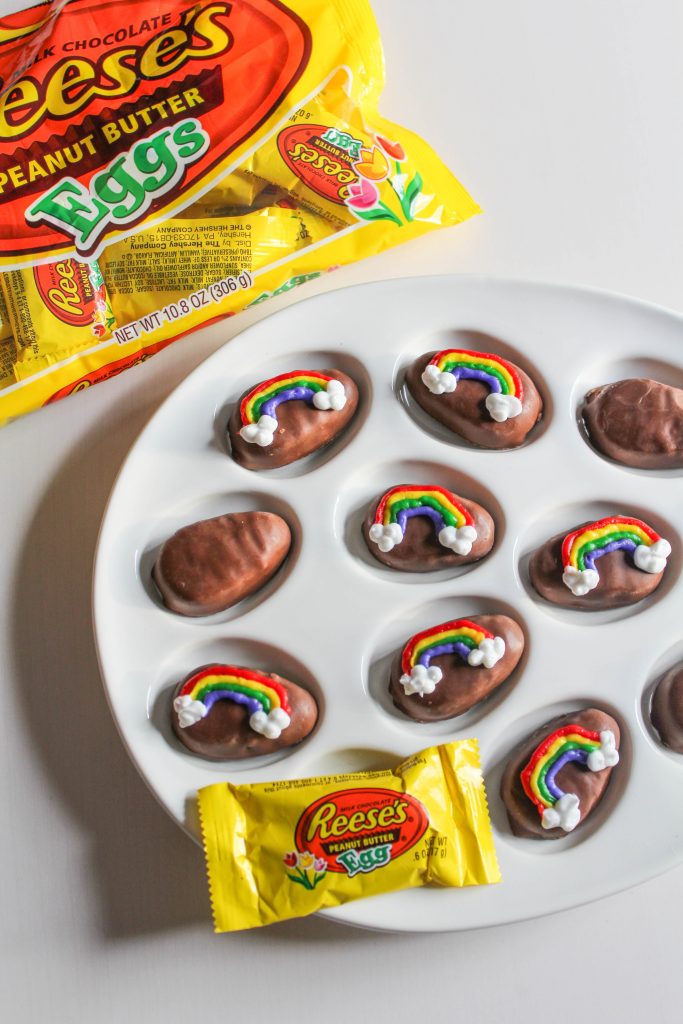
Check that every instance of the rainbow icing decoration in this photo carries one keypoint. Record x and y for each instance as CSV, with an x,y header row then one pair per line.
x,y
442,373
569,744
258,408
452,521
473,643
582,548
265,700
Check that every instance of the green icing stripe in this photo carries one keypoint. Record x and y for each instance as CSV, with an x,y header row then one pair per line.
x,y
487,369
314,385
570,745
263,700
591,545
396,507
450,638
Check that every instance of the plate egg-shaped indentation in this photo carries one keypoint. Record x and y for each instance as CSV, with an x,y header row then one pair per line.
x,y
363,489
394,632
475,340
312,359
564,519
499,751
244,652
667,661
208,507
604,372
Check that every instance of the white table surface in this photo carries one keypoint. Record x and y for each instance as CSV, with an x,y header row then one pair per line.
x,y
564,121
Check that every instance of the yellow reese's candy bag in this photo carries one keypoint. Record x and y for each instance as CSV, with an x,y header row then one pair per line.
x,y
286,849
199,159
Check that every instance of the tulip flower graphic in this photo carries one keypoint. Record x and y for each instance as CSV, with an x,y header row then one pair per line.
x,y
362,195
362,198
309,869
393,149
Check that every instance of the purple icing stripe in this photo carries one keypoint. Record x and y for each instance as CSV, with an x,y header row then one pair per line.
x,y
487,378
625,544
569,755
239,698
422,510
455,648
268,408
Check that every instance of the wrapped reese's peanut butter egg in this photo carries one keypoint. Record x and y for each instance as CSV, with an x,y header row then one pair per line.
x,y
286,849
55,310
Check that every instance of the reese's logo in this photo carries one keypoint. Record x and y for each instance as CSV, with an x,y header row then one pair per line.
x,y
359,830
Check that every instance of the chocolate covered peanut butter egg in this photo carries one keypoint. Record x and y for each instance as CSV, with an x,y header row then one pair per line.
x,y
284,418
480,396
228,712
445,670
607,563
215,563
557,776
666,711
637,422
424,527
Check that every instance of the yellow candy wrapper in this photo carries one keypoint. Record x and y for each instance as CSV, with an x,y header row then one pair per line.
x,y
286,849
121,146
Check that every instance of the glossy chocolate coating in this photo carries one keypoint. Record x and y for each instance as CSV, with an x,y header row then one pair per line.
x,y
589,786
637,422
464,411
621,581
420,550
462,685
211,565
224,734
667,709
302,429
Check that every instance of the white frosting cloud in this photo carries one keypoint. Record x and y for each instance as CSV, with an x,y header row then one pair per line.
x,y
260,433
564,814
421,680
189,711
503,407
580,581
271,724
438,381
459,539
607,755
385,537
334,397
489,651
652,558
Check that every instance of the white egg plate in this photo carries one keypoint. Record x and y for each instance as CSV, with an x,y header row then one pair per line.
x,y
333,617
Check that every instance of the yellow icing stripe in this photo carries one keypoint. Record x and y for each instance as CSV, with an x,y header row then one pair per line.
x,y
572,737
437,638
411,495
240,681
452,356
589,536
293,381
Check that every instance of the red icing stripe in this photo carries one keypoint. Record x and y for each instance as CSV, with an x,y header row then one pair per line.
x,y
379,514
454,624
543,748
265,384
484,355
598,524
242,673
